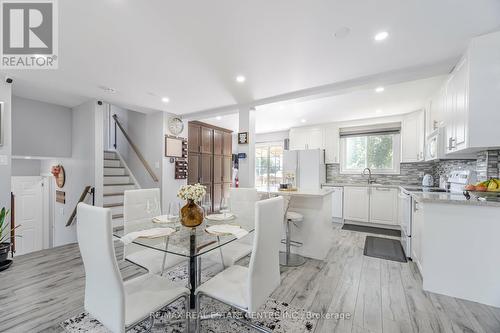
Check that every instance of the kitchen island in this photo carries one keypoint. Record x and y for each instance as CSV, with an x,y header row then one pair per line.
x,y
315,232
455,245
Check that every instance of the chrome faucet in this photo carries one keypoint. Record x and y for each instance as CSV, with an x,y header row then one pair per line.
x,y
370,180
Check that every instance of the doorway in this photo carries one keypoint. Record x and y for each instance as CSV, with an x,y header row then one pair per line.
x,y
29,214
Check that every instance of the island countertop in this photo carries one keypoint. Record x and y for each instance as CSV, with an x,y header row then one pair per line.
x,y
299,193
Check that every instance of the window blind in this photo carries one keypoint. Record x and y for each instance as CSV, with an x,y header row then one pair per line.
x,y
379,129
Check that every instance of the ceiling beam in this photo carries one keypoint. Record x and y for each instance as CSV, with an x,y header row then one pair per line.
x,y
339,88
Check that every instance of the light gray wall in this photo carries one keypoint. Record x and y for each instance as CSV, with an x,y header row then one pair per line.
x,y
146,131
79,168
40,129
22,167
6,148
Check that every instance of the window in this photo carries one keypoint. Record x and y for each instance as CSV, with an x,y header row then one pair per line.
x,y
377,151
268,164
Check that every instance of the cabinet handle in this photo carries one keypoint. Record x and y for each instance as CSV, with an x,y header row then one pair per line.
x,y
384,189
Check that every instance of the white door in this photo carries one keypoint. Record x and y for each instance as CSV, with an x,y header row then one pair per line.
x,y
356,203
384,205
28,213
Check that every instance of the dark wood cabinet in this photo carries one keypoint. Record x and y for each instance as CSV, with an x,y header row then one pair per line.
x,y
209,159
206,169
218,169
207,140
227,144
193,168
194,138
218,142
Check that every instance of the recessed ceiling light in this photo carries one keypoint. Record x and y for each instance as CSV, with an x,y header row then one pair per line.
x,y
218,117
379,89
302,120
240,79
342,32
165,99
381,36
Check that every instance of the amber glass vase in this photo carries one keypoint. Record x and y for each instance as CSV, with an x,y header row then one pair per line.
x,y
191,215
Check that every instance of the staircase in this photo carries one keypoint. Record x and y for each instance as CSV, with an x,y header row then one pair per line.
x,y
116,182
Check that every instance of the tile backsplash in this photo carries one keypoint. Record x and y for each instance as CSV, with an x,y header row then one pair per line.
x,y
487,165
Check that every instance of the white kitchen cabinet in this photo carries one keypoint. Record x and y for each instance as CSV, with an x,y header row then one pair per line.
x,y
332,141
384,205
413,137
357,203
472,98
307,138
337,203
416,237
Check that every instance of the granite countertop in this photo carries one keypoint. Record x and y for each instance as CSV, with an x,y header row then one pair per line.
x,y
434,197
455,198
299,193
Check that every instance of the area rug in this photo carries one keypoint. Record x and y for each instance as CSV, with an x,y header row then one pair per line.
x,y
372,230
274,315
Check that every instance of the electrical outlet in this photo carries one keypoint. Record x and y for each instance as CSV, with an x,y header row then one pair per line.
x,y
61,210
157,164
4,160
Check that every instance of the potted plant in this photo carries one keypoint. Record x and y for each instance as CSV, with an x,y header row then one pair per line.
x,y
5,242
191,213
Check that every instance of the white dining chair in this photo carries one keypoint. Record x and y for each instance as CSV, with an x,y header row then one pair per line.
x,y
116,304
139,205
242,204
247,289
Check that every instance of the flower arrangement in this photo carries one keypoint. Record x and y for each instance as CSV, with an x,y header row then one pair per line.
x,y
192,192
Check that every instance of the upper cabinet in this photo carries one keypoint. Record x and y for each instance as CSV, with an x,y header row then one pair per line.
x,y
332,141
413,137
469,99
307,138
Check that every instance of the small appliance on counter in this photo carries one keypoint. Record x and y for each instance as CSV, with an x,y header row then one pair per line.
x,y
460,178
428,181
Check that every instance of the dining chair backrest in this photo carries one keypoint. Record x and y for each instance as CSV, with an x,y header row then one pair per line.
x,y
242,204
104,291
140,204
264,267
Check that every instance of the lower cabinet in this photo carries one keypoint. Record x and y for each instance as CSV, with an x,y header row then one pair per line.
x,y
384,205
357,203
371,204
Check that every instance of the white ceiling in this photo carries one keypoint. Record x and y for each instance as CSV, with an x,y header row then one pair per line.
x,y
361,104
192,52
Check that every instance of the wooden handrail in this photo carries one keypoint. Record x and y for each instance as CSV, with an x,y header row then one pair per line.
x,y
136,149
87,190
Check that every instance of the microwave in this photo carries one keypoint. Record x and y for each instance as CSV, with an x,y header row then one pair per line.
x,y
435,147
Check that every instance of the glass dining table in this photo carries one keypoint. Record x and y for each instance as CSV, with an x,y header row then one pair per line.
x,y
190,243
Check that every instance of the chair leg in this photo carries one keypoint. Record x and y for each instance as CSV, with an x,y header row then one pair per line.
x,y
221,255
255,327
164,257
198,314
188,319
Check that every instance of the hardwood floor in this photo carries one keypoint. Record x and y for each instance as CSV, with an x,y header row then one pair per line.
x,y
42,289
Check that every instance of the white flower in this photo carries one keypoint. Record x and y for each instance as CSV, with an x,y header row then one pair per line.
x,y
192,192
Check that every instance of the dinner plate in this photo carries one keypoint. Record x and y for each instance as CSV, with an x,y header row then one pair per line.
x,y
220,217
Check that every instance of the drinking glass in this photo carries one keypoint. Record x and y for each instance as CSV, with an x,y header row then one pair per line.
x,y
206,203
152,207
224,206
173,211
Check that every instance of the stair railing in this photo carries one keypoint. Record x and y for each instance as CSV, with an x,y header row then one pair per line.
x,y
88,190
134,148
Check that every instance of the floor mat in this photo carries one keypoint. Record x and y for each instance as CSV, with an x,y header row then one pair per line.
x,y
372,230
384,248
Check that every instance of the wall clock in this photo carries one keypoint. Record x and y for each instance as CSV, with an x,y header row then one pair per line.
x,y
175,125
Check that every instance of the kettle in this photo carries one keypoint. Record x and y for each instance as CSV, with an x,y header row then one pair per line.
x,y
428,181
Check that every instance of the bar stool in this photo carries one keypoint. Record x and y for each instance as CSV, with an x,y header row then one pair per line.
x,y
287,258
